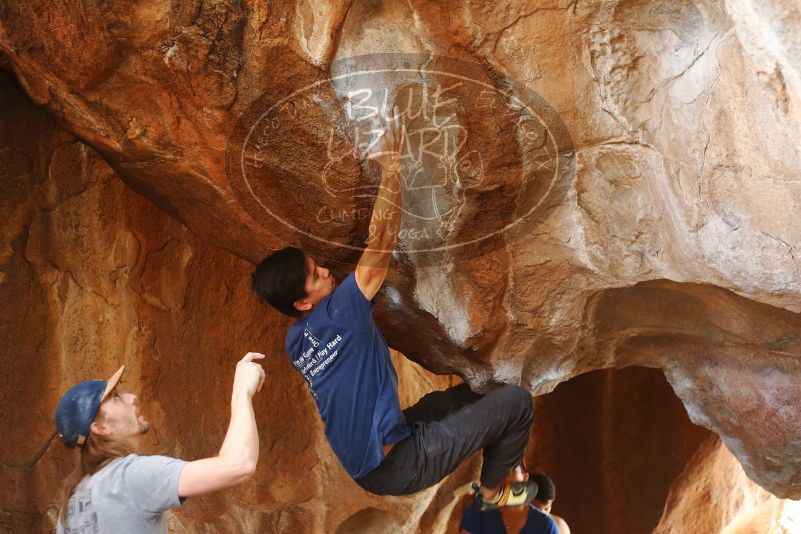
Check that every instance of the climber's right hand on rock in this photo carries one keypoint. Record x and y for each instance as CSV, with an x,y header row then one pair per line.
x,y
387,151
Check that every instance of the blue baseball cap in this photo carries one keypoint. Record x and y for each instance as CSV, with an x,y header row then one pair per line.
x,y
79,406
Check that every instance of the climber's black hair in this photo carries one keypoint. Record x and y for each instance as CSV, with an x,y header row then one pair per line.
x,y
280,280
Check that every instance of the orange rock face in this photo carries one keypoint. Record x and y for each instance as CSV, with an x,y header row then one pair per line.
x,y
614,442
714,495
94,276
607,184
650,141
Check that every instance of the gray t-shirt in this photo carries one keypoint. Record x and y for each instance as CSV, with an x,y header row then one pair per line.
x,y
128,496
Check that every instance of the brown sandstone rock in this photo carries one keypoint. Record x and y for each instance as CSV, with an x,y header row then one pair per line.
x,y
614,442
714,495
93,276
681,164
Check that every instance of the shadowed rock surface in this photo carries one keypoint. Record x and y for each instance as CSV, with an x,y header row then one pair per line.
x,y
94,276
672,241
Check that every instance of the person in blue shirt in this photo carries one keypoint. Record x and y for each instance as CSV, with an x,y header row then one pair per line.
x,y
337,348
495,522
546,495
529,519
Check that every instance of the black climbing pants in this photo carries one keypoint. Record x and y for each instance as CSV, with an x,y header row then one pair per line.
x,y
449,426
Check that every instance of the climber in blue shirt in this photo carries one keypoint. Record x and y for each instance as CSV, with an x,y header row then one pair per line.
x,y
337,348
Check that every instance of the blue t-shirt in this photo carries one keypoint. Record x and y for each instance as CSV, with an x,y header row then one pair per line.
x,y
490,522
345,361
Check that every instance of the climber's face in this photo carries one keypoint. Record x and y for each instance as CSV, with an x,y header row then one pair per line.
x,y
319,284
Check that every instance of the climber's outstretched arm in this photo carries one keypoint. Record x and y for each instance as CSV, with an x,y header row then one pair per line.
x,y
385,220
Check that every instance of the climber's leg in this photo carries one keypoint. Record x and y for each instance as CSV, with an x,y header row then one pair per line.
x,y
440,404
499,422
